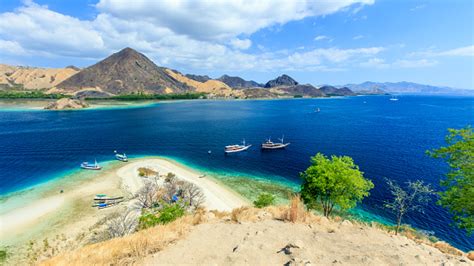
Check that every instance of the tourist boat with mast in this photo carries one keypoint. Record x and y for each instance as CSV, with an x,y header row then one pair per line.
x,y
270,145
87,166
237,148
121,157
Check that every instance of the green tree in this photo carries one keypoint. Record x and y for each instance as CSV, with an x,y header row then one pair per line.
x,y
334,181
406,200
264,200
165,215
458,194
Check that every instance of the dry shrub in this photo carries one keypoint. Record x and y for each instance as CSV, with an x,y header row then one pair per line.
x,y
199,216
296,212
244,213
128,249
447,248
147,172
220,214
337,219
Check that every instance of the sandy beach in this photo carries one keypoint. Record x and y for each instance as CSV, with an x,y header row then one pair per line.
x,y
51,213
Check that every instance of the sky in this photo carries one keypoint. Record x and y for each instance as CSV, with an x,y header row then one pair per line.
x,y
318,42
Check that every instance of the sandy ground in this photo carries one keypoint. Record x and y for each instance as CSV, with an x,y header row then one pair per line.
x,y
54,213
330,243
218,197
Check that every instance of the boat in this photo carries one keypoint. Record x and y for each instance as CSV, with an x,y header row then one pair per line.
x,y
270,145
121,157
237,148
87,166
317,110
393,98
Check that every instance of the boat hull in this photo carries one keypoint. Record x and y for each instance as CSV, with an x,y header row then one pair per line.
x,y
282,146
238,150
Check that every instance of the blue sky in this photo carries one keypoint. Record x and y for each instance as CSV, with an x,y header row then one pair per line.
x,y
318,42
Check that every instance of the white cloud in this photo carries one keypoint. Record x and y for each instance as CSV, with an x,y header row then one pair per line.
x,y
321,37
209,35
241,44
375,63
462,51
358,37
214,19
466,51
415,63
418,7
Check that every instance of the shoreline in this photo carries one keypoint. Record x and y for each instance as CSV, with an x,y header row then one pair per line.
x,y
49,213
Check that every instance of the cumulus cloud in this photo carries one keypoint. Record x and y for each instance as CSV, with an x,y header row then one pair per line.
x,y
241,44
206,35
216,19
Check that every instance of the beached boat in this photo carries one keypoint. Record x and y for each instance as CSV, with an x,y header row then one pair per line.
x,y
121,157
270,145
237,148
87,166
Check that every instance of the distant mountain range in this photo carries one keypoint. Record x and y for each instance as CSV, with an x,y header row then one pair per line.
x,y
406,88
129,71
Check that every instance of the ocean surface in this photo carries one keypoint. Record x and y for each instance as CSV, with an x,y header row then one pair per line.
x,y
387,139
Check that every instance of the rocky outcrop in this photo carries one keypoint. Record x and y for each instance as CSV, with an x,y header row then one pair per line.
x,y
333,91
281,81
238,82
67,104
199,78
33,78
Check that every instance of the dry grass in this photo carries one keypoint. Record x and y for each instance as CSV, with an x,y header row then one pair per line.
x,y
447,248
146,172
126,250
130,249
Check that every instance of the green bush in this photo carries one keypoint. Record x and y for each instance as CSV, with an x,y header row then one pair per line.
x,y
3,255
264,200
166,215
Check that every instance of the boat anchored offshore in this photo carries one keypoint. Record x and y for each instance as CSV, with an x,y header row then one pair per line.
x,y
236,147
393,98
121,157
87,166
270,145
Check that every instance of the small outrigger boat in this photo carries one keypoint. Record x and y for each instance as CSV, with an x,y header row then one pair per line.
x,y
121,157
87,166
237,148
270,145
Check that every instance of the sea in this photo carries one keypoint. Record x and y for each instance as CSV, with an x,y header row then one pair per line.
x,y
387,139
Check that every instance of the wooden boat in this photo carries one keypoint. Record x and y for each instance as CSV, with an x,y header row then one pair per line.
x,y
236,148
87,166
270,145
121,157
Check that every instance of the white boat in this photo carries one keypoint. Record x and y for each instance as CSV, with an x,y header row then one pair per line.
x,y
87,166
317,110
393,98
270,145
237,148
121,157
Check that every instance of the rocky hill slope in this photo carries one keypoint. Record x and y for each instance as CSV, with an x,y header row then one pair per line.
x,y
283,80
238,82
276,235
125,72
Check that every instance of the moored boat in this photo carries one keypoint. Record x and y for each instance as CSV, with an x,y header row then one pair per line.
x,y
121,157
87,166
270,145
237,148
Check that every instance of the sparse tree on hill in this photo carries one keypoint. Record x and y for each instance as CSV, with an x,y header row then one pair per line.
x,y
458,196
334,181
413,198
192,195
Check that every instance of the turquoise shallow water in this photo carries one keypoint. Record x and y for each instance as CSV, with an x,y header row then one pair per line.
x,y
386,139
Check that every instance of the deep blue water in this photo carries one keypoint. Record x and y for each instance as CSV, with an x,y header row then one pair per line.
x,y
386,139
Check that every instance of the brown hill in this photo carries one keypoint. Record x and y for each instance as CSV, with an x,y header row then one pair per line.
x,y
210,86
122,73
33,78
